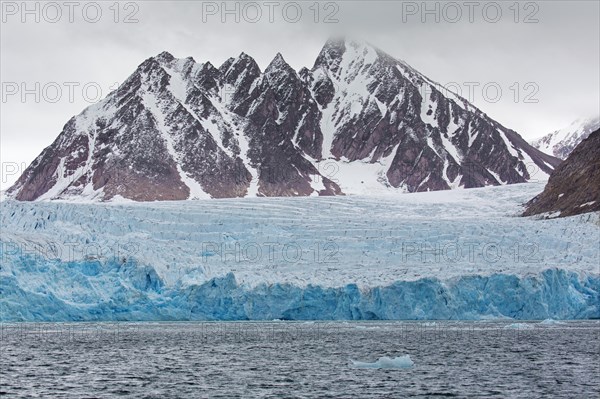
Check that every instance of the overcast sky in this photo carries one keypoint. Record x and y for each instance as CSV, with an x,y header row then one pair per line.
x,y
544,56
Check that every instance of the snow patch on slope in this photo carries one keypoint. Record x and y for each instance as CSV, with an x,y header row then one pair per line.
x,y
351,95
151,103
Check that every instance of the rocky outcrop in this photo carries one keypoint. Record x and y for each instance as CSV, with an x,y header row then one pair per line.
x,y
574,186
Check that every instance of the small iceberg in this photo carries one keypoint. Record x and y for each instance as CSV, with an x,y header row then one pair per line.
x,y
367,327
551,321
519,326
400,362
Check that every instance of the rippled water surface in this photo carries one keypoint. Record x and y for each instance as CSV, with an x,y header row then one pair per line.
x,y
297,359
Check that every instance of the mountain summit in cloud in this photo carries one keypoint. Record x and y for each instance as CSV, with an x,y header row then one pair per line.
x,y
561,142
358,122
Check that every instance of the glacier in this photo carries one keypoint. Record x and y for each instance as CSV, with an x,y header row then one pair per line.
x,y
461,254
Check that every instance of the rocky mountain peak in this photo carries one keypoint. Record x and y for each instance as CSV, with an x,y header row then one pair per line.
x,y
345,52
245,60
357,123
164,57
278,64
243,67
278,60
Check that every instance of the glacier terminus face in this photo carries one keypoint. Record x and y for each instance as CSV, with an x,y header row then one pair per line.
x,y
460,254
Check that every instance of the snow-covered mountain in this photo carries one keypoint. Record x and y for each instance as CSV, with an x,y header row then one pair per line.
x,y
359,121
561,142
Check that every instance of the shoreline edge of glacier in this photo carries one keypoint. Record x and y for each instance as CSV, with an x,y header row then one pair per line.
x,y
140,295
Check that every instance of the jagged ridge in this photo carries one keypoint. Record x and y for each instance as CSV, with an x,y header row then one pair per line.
x,y
359,121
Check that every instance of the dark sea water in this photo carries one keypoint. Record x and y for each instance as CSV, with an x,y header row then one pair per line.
x,y
297,359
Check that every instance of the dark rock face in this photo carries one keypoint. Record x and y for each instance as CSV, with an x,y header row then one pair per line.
x,y
176,129
574,186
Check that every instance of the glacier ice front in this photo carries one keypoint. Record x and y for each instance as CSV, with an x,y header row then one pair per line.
x,y
79,292
462,254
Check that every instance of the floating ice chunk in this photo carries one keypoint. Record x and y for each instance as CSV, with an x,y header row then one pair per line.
x,y
400,362
519,326
551,321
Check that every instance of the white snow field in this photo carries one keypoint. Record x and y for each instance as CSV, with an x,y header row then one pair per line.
x,y
438,255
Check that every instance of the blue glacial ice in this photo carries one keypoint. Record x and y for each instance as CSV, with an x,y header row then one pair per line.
x,y
84,291
352,258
